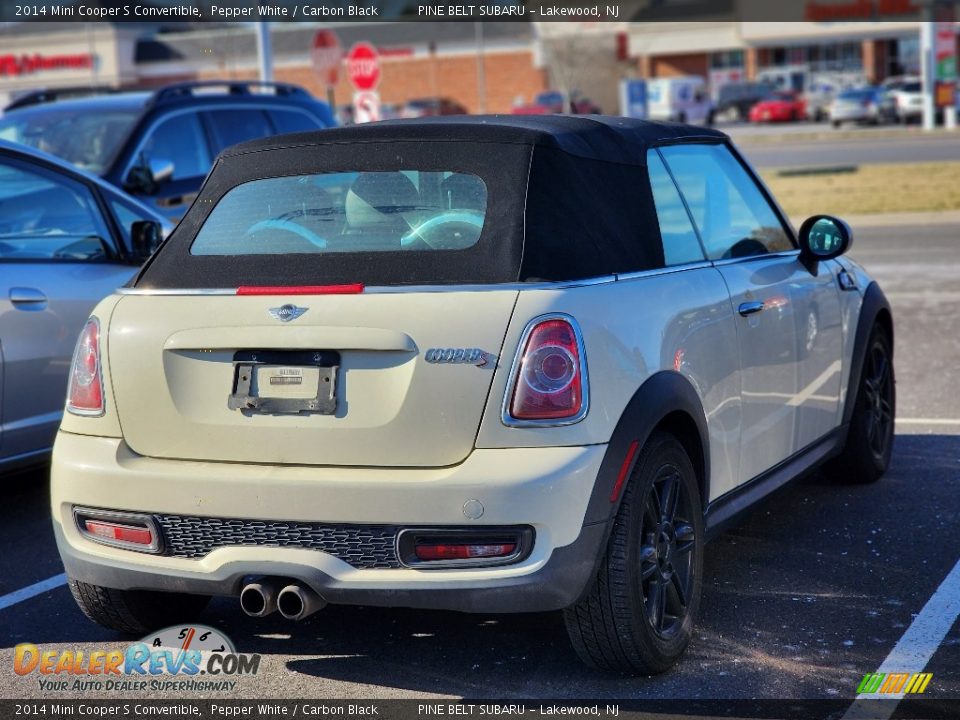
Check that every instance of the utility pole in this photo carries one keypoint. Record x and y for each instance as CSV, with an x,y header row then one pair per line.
x,y
927,69
264,52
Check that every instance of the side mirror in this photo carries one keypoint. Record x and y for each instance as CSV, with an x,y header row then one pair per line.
x,y
147,176
145,237
823,237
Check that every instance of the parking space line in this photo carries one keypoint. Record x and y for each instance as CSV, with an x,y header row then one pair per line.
x,y
928,421
915,648
32,590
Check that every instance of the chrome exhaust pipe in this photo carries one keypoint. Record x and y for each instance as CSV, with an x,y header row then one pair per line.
x,y
297,602
259,599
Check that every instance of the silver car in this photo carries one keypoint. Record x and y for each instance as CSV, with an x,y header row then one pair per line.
x,y
67,239
863,105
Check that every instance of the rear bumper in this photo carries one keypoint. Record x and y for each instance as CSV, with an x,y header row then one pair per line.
x,y
547,488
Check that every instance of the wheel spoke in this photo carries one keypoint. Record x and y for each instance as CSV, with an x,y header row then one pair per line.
x,y
651,512
648,562
680,591
661,606
669,496
886,412
880,370
685,538
656,604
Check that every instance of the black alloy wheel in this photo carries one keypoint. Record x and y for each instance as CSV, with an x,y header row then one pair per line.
x,y
637,615
667,552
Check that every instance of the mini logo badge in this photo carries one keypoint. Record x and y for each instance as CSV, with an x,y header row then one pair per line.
x,y
286,313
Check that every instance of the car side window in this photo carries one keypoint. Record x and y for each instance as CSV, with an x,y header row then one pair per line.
x,y
733,216
179,139
289,121
680,243
44,216
238,125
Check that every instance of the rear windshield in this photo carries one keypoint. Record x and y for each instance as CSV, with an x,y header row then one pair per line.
x,y
347,212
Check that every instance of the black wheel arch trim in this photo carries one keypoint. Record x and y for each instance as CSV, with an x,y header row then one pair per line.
x,y
874,303
662,396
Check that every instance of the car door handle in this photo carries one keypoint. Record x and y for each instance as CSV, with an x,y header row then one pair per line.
x,y
749,308
26,296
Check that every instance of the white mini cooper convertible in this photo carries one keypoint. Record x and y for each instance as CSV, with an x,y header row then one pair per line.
x,y
490,364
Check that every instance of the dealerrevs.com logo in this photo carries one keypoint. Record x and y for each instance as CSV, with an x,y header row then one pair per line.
x,y
187,657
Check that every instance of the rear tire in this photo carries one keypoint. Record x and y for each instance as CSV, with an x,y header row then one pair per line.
x,y
866,455
135,611
637,616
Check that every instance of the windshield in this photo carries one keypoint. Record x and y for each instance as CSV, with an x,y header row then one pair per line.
x,y
89,140
347,212
913,87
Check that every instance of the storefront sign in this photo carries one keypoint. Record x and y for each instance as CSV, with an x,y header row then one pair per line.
x,y
858,9
14,65
945,52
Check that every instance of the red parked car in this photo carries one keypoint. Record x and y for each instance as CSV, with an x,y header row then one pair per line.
x,y
779,106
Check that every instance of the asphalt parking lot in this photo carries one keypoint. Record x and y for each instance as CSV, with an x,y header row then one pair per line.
x,y
813,590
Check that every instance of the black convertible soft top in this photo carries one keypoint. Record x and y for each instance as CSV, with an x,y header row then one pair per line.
x,y
592,137
568,199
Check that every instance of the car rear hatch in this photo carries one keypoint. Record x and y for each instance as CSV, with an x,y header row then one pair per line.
x,y
219,377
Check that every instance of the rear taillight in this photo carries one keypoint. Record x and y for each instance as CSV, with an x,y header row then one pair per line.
x,y
549,383
454,551
85,396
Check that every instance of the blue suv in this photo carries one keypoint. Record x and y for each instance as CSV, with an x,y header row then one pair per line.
x,y
159,146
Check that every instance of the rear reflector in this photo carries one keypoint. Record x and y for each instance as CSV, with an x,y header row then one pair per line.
x,y
130,531
624,469
121,533
353,289
464,552
438,548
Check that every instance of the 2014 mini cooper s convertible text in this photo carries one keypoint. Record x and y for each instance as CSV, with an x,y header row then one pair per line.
x,y
489,364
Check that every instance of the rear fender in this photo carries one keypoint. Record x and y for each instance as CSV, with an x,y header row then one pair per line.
x,y
666,396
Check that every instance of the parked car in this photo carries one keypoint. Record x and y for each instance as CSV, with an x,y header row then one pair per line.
x,y
779,106
67,239
817,101
734,100
863,105
158,146
680,99
907,100
429,107
555,101
403,374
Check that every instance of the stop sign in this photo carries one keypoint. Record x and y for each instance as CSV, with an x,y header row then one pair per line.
x,y
363,66
326,55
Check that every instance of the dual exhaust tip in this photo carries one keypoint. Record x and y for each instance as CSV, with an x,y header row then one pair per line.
x,y
293,600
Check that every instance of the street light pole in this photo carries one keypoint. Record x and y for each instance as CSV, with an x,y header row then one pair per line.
x,y
264,52
927,68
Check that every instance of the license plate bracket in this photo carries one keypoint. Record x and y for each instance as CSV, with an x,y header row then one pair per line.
x,y
248,397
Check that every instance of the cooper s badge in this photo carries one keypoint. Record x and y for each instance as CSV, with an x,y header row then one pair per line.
x,y
286,313
458,356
